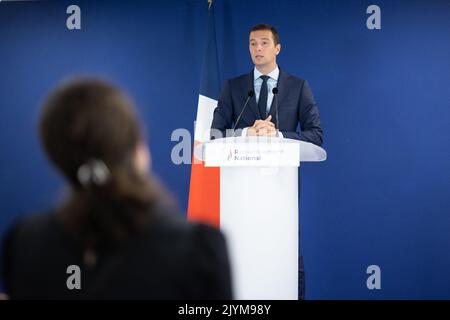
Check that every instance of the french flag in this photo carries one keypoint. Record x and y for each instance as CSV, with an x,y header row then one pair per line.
x,y
204,190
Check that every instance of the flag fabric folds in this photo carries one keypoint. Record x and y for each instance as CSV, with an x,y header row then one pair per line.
x,y
204,189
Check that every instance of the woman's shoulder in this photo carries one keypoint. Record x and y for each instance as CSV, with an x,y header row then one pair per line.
x,y
196,252
33,227
170,227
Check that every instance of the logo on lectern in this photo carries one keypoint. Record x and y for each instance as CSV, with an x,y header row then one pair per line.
x,y
237,155
230,155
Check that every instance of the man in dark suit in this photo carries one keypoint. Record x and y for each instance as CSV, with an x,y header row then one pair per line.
x,y
296,105
298,116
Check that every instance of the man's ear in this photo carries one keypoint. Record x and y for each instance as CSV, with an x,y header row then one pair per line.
x,y
278,47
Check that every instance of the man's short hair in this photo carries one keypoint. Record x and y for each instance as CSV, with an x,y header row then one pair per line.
x,y
263,26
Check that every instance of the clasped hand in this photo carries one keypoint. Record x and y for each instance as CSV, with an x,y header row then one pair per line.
x,y
262,128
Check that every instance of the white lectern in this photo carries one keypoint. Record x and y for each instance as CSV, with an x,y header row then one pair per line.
x,y
259,210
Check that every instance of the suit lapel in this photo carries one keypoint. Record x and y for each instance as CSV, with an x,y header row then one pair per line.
x,y
250,85
282,91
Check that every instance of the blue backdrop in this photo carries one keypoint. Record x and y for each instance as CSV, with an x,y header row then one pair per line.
x,y
381,198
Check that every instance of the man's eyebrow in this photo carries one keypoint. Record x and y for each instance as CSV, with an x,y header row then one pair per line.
x,y
253,39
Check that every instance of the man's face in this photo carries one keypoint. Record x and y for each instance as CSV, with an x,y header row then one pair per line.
x,y
263,49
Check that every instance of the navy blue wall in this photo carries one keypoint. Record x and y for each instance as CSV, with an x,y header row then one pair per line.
x,y
382,197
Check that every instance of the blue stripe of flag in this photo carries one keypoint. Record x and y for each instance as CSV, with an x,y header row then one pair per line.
x,y
210,79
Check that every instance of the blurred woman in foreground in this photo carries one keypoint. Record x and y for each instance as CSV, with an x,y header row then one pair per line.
x,y
115,226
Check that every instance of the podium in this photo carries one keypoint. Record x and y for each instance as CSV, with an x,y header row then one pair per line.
x,y
259,210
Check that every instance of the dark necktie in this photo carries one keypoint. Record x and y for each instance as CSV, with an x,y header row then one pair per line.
x,y
262,102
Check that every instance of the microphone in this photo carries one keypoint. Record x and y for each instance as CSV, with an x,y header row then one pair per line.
x,y
275,93
250,94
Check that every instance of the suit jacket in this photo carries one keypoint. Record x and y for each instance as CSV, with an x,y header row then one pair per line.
x,y
168,259
296,106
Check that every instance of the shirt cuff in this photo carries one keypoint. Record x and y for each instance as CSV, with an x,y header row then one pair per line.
x,y
244,132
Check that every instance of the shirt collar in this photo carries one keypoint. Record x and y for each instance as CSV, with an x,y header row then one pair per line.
x,y
273,74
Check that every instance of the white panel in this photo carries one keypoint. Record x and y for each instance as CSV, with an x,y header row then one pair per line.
x,y
259,216
205,112
273,151
262,152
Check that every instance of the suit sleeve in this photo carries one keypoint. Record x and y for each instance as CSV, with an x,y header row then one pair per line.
x,y
223,114
309,119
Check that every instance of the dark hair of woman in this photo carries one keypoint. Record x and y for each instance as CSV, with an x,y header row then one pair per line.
x,y
91,133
